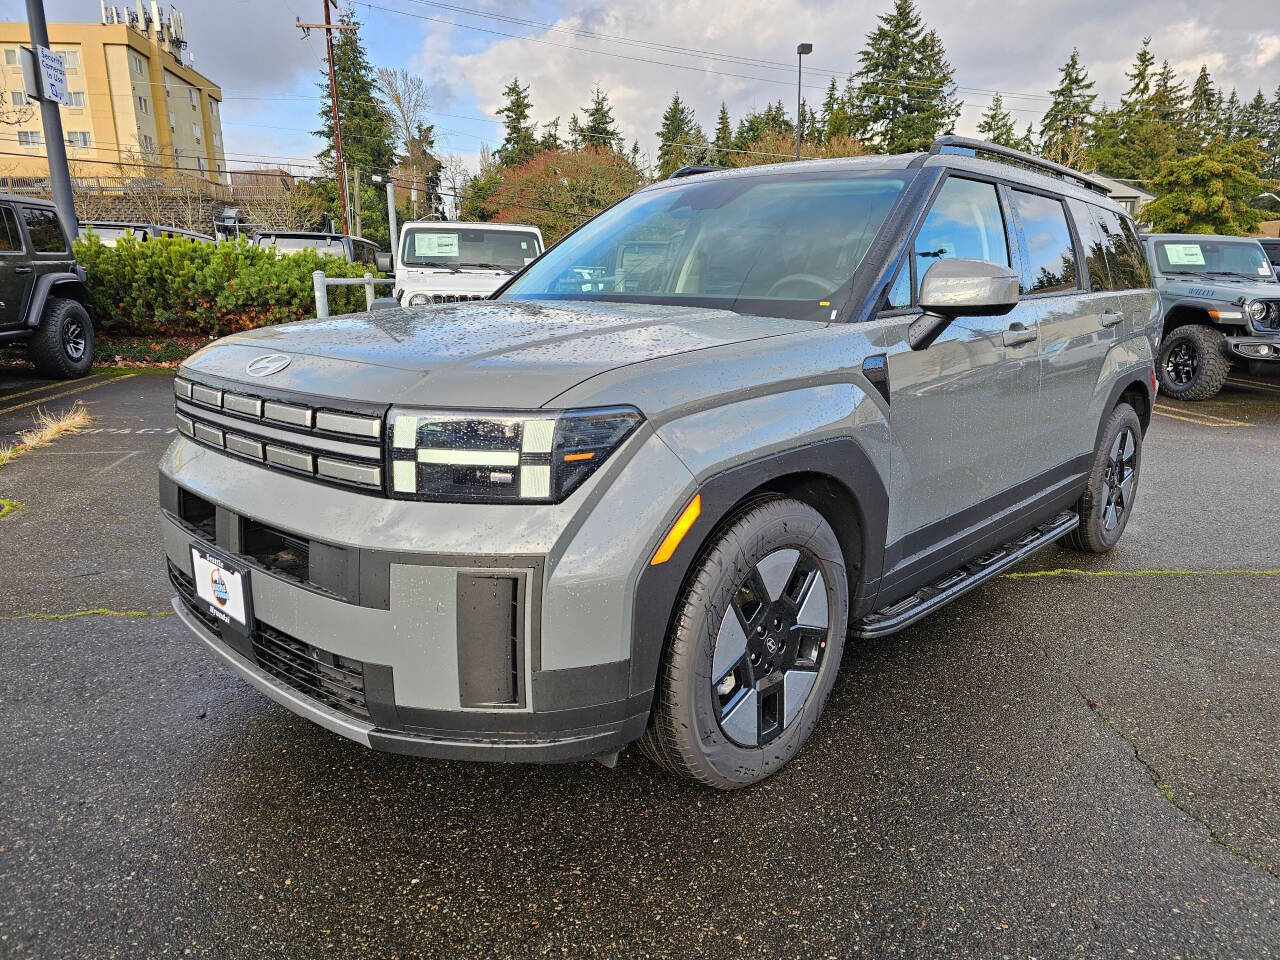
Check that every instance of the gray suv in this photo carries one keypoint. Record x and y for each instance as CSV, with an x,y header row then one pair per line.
x,y
652,489
1220,302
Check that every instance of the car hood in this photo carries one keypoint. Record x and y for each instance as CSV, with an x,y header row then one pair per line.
x,y
415,280
490,353
1220,288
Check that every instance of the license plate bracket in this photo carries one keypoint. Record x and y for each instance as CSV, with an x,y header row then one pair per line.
x,y
222,587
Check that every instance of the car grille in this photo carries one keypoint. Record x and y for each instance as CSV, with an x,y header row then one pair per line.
x,y
335,681
455,297
309,439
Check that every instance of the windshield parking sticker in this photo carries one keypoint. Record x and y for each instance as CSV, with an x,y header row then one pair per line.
x,y
435,244
1184,254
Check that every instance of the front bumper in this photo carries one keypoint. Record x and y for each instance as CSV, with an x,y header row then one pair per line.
x,y
401,604
1254,348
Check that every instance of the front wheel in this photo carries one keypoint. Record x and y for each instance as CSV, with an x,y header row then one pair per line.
x,y
62,346
1192,364
1108,499
753,649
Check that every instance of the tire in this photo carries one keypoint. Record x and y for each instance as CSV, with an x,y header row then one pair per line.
x,y
1106,505
776,567
1192,364
62,346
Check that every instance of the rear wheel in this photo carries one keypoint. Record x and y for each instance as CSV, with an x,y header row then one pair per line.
x,y
62,346
754,648
1192,364
1113,483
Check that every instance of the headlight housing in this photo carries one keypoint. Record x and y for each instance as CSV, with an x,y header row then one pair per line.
x,y
418,299
1257,310
502,457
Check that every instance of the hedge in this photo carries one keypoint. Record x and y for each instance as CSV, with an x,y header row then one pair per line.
x,y
172,286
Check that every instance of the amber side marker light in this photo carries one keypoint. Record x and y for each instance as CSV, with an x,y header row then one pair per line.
x,y
678,529
578,457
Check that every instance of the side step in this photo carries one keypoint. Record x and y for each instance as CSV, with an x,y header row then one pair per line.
x,y
938,594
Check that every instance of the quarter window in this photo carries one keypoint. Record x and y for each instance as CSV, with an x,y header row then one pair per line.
x,y
899,296
965,223
1125,257
1050,264
1094,244
44,230
10,235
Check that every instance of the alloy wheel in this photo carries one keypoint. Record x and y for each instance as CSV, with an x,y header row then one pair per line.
x,y
1117,479
73,339
769,647
1182,364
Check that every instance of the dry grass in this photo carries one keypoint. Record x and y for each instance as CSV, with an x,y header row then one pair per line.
x,y
48,428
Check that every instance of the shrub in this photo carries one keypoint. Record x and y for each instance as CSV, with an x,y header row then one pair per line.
x,y
172,286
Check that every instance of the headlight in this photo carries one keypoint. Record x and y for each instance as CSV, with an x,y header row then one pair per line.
x,y
418,299
501,457
1257,310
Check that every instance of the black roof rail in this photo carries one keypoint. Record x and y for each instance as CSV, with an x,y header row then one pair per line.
x,y
691,169
968,146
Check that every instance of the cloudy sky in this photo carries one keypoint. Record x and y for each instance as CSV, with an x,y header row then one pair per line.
x,y
738,51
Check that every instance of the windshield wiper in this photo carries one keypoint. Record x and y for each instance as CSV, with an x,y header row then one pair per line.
x,y
436,263
1183,273
491,266
1228,273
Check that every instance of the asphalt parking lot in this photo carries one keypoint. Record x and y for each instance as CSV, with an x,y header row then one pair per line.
x,y
1080,759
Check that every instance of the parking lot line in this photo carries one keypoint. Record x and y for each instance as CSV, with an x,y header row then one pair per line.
x,y
1066,571
1255,384
81,388
1199,419
53,384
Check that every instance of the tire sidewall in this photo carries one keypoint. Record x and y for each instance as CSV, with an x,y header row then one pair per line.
x,y
49,348
792,525
1123,416
1204,340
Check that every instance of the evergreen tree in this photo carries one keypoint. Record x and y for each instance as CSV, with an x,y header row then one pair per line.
x,y
1140,78
635,154
1210,192
1202,108
680,139
1027,142
550,139
1271,146
519,143
599,130
575,133
1255,119
772,119
830,103
1229,118
1148,129
996,124
1070,114
723,141
905,96
1169,106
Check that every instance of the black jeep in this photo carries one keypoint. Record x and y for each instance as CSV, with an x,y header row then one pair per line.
x,y
43,299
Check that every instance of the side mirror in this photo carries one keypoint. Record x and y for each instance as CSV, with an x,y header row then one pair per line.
x,y
382,261
961,288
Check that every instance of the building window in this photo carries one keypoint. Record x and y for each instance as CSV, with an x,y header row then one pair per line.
x,y
195,130
144,105
135,63
168,87
19,98
78,138
76,97
172,124
217,140
70,58
213,108
29,138
200,164
148,145
195,103
10,57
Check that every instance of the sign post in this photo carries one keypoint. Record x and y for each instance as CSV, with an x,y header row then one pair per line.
x,y
51,83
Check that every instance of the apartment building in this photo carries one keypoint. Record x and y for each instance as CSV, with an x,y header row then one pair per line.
x,y
136,99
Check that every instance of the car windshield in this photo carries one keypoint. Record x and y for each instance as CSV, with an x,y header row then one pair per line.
x,y
1214,258
778,245
330,246
455,247
109,235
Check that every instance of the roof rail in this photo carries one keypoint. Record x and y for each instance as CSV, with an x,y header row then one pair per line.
x,y
967,146
691,169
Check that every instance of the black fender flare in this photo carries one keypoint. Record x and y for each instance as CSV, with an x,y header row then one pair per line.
x,y
1195,303
1118,389
842,460
45,284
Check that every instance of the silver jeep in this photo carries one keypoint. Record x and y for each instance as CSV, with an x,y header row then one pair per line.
x,y
651,490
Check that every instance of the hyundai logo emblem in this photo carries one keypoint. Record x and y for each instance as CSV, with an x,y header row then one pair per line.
x,y
267,364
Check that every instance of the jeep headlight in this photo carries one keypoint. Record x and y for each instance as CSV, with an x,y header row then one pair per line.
x,y
1257,310
501,457
418,299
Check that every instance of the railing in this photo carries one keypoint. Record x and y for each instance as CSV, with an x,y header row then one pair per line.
x,y
323,283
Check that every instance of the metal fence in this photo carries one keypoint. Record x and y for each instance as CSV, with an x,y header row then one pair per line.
x,y
323,283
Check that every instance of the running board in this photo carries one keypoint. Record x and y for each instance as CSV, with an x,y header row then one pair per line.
x,y
938,594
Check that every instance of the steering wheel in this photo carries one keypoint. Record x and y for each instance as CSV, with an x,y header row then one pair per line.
x,y
821,284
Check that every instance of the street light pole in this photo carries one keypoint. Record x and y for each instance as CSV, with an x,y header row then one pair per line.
x,y
801,50
51,121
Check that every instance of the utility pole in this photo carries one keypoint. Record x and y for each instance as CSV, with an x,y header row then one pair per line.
x,y
51,120
328,27
801,50
357,228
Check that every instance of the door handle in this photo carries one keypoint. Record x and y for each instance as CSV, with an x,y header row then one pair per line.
x,y
21,269
1109,318
1018,334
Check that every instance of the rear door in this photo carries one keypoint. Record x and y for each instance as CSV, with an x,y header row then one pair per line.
x,y
15,271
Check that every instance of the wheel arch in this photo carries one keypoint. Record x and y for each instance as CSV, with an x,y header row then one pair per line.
x,y
1134,390
1182,313
835,477
62,284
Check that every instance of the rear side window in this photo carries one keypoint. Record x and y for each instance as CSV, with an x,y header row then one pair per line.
x,y
965,223
10,235
44,230
1094,245
1134,269
1050,263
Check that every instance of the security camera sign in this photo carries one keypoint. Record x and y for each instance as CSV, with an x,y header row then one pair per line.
x,y
53,76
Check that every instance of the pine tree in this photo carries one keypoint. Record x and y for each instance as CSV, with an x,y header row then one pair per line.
x,y
1202,108
599,130
996,124
680,139
1148,129
1070,114
368,129
1271,169
519,144
830,103
723,141
1229,118
1254,119
1209,193
1139,91
550,139
905,97
575,133
1027,142
1169,106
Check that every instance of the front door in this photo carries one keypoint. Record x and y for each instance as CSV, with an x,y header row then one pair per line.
x,y
15,270
962,410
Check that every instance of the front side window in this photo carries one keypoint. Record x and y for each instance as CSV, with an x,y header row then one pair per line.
x,y
963,223
778,245
452,247
1050,264
44,230
1213,258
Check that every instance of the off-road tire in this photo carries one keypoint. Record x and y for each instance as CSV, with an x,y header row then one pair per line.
x,y
1095,534
1211,364
684,735
50,346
